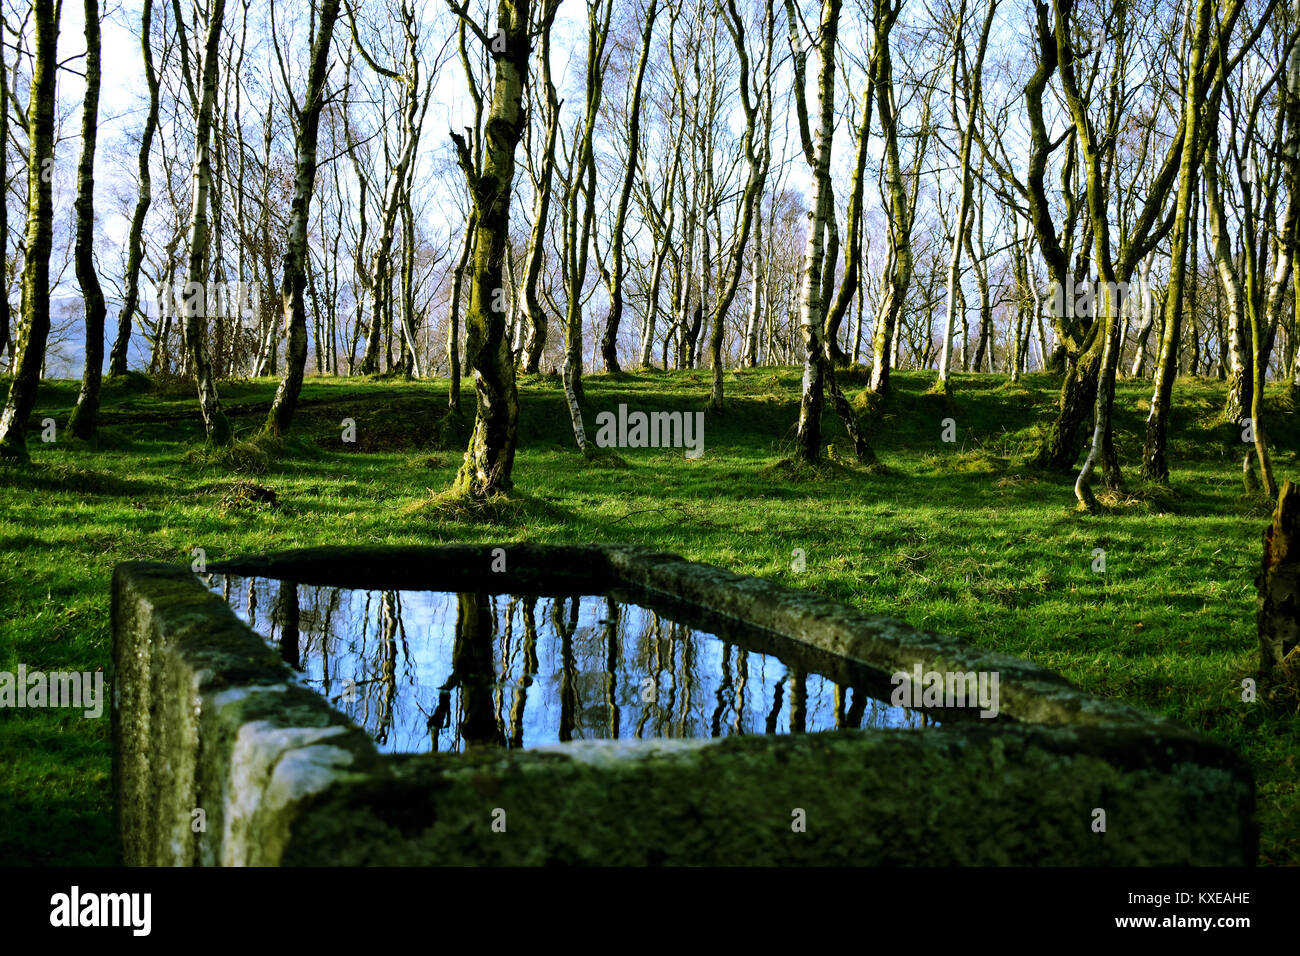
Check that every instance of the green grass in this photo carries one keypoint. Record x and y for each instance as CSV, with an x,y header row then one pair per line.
x,y
956,537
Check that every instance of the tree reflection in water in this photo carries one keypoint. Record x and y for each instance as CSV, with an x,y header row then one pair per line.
x,y
429,670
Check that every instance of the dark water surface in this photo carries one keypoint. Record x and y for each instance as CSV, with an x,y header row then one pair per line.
x,y
436,671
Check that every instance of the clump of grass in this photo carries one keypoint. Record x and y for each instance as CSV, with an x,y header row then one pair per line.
x,y
1256,504
1281,689
844,455
248,495
974,461
251,456
453,505
940,387
170,385
1145,497
856,374
427,462
938,401
1119,499
867,403
129,382
604,457
1031,451
797,470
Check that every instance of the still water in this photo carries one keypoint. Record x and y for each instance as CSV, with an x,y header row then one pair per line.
x,y
429,671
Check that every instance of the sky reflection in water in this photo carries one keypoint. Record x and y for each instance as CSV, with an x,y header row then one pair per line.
x,y
436,671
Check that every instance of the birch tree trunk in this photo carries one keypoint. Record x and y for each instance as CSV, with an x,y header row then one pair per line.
x,y
812,310
755,298
29,351
490,456
757,162
979,262
453,315
85,414
535,337
581,217
1147,321
4,206
609,339
1155,464
1077,338
117,357
839,305
661,222
960,236
1239,365
193,322
295,255
380,268
1284,264
900,211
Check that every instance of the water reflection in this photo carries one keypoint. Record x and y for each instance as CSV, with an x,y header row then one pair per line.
x,y
435,671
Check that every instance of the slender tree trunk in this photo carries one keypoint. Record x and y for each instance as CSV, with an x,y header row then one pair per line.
x,y
1155,464
961,235
755,297
194,322
4,206
1147,321
609,339
656,280
757,163
581,216
491,453
295,254
661,222
86,413
900,211
535,337
1283,265
117,358
29,351
839,306
411,358
982,343
381,267
453,315
812,311
1239,365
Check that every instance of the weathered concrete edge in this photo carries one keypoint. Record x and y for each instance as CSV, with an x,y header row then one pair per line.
x,y
1029,693
223,744
870,797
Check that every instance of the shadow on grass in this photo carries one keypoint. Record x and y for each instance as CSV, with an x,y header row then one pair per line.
x,y
502,509
70,478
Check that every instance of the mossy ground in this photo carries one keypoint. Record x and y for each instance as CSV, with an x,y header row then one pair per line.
x,y
958,537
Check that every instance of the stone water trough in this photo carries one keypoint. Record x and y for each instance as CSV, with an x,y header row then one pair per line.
x,y
225,754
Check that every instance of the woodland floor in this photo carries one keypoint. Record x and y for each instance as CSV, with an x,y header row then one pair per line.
x,y
958,537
